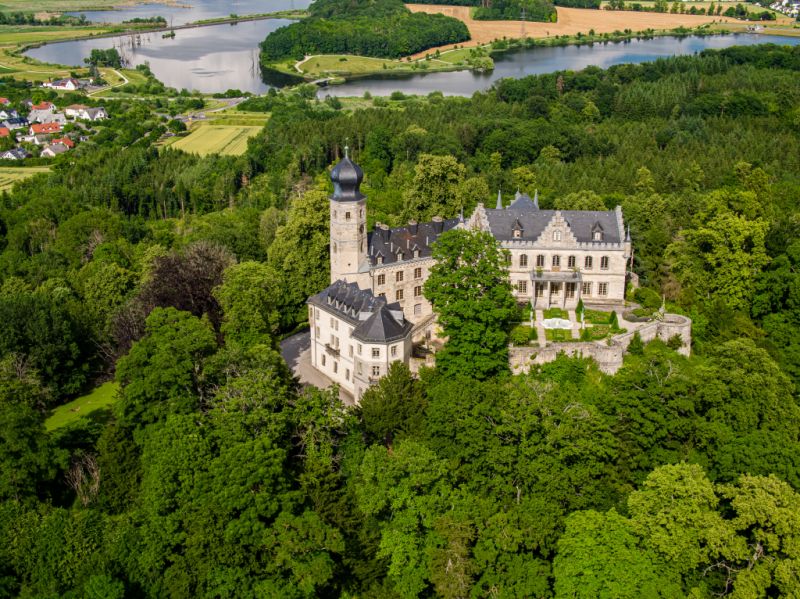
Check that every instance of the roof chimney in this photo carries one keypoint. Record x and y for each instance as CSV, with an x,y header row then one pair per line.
x,y
438,224
383,231
412,227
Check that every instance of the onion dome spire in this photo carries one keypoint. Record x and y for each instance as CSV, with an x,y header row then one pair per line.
x,y
346,177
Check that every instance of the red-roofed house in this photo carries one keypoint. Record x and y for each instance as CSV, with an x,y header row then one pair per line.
x,y
45,128
5,132
43,106
65,141
5,101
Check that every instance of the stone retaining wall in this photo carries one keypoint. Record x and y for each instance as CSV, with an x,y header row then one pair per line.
x,y
608,354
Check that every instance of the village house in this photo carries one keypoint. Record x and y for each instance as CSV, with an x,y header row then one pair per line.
x,y
44,129
54,150
4,132
14,154
65,141
13,123
4,101
8,114
69,84
85,113
556,258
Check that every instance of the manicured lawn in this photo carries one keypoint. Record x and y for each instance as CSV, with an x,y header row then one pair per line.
x,y
217,139
558,335
556,313
597,316
99,399
10,175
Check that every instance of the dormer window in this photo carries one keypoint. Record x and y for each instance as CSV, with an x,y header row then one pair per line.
x,y
598,236
557,235
416,253
379,260
517,234
597,232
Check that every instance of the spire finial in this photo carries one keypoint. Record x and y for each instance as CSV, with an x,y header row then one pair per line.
x,y
628,233
536,199
499,200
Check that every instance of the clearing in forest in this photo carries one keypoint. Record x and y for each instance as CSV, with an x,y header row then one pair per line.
x,y
570,22
217,139
95,403
10,174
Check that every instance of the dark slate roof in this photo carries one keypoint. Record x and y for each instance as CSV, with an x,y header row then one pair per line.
x,y
533,222
374,319
382,327
399,243
523,202
346,177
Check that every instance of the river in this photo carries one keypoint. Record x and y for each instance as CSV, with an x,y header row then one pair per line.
x,y
199,10
221,57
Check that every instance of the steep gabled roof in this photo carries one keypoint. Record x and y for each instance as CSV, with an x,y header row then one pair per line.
x,y
400,243
384,326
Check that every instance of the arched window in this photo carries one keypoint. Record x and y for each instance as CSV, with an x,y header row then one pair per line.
x,y
604,263
556,261
571,262
523,260
598,236
540,261
346,216
587,263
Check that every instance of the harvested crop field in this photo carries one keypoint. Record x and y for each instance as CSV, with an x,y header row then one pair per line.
x,y
217,139
12,174
570,22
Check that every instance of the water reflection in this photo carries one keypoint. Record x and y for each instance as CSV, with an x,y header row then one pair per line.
x,y
221,57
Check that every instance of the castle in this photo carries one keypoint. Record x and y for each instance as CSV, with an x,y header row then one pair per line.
x,y
367,317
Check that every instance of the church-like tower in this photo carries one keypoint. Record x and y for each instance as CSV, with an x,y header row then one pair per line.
x,y
348,217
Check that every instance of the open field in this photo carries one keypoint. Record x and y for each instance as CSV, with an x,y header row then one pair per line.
x,y
10,175
751,8
570,22
99,399
71,5
216,139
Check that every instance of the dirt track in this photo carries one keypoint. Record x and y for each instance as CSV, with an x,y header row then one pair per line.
x,y
570,22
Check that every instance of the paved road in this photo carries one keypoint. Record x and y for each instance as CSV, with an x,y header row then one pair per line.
x,y
296,350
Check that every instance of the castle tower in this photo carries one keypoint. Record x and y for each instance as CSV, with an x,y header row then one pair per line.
x,y
348,218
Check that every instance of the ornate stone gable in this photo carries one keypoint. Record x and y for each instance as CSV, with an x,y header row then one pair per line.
x,y
478,221
557,234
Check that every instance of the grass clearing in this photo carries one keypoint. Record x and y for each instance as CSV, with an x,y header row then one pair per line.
x,y
230,140
10,175
58,6
100,399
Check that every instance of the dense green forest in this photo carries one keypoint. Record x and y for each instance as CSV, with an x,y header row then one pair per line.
x,y
215,475
380,28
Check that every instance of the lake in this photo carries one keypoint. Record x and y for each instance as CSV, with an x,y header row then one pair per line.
x,y
220,57
199,10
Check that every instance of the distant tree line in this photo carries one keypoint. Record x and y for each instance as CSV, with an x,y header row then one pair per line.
x,y
384,29
514,10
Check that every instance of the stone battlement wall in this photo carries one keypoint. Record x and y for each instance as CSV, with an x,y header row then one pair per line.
x,y
607,354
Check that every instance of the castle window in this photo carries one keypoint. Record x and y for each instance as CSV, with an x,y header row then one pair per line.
x,y
323,359
417,291
569,292
416,253
379,260
398,276
587,263
571,262
359,370
597,236
381,294
539,289
381,279
394,351
417,309
418,273
517,234
556,261
376,353
336,367
604,263
358,349
398,295
317,313
350,352
557,235
522,286
376,371
347,374
317,333
540,261
523,260
346,216
602,289
586,289
362,213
